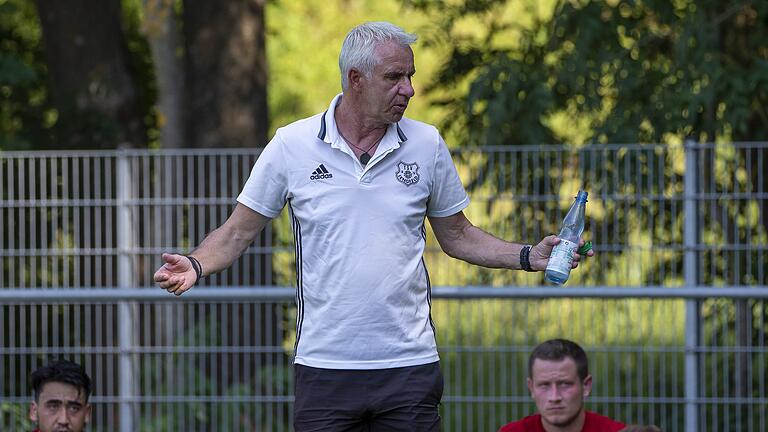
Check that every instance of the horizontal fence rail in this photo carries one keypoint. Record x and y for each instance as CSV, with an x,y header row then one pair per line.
x,y
672,310
231,293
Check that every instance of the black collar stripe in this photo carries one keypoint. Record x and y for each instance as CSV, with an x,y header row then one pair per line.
x,y
321,134
401,134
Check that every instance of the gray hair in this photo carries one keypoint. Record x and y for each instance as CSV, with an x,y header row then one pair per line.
x,y
358,49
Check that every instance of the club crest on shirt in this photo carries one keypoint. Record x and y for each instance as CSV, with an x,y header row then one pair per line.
x,y
407,173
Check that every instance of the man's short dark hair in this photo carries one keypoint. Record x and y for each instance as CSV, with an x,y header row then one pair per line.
x,y
557,350
62,371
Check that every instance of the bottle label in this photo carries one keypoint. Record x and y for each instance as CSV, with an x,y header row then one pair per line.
x,y
562,256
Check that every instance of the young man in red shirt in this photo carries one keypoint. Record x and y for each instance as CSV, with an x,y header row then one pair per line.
x,y
61,390
559,381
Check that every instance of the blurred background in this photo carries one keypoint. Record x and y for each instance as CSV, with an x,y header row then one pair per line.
x,y
128,127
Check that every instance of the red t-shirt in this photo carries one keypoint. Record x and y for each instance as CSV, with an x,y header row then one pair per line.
x,y
592,423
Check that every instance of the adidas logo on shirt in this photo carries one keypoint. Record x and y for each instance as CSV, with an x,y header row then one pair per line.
x,y
320,173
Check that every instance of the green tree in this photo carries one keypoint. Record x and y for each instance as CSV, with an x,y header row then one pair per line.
x,y
635,71
25,112
611,71
91,75
225,73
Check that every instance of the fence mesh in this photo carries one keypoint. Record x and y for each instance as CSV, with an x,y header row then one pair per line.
x,y
100,220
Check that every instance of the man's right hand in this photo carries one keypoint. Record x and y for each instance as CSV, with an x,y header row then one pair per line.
x,y
177,274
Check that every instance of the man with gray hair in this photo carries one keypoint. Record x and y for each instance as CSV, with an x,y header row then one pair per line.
x,y
359,181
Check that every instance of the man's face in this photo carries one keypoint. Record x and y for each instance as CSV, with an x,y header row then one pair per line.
x,y
60,408
558,392
387,92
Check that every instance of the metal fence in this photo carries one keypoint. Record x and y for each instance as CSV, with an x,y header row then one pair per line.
x,y
672,310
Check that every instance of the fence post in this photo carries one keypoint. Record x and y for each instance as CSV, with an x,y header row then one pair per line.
x,y
691,272
126,312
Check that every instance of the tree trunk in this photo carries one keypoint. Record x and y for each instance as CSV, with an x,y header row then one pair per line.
x,y
88,63
161,31
226,82
226,71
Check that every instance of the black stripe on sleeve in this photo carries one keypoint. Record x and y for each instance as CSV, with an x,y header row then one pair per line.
x,y
299,277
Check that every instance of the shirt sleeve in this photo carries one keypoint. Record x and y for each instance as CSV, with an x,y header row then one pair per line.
x,y
448,195
266,190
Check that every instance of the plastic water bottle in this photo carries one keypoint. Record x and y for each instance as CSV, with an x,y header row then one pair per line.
x,y
559,266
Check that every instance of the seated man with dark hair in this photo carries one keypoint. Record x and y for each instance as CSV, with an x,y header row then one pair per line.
x,y
559,381
61,391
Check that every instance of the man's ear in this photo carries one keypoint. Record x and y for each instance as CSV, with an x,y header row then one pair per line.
x,y
354,77
530,387
587,384
87,413
33,411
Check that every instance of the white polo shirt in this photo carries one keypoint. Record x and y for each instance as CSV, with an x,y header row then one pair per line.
x,y
363,292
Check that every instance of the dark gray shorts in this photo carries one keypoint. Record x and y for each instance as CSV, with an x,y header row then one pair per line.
x,y
399,399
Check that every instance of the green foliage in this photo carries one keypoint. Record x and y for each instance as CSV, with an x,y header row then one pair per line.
x,y
25,113
28,118
14,417
636,71
578,72
297,87
203,379
142,68
89,126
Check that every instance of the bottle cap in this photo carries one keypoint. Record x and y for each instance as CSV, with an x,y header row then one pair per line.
x,y
582,196
586,247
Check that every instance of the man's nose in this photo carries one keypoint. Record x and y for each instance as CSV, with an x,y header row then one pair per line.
x,y
554,393
62,417
406,88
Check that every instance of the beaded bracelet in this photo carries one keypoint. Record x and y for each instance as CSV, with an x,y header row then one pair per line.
x,y
525,258
196,265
